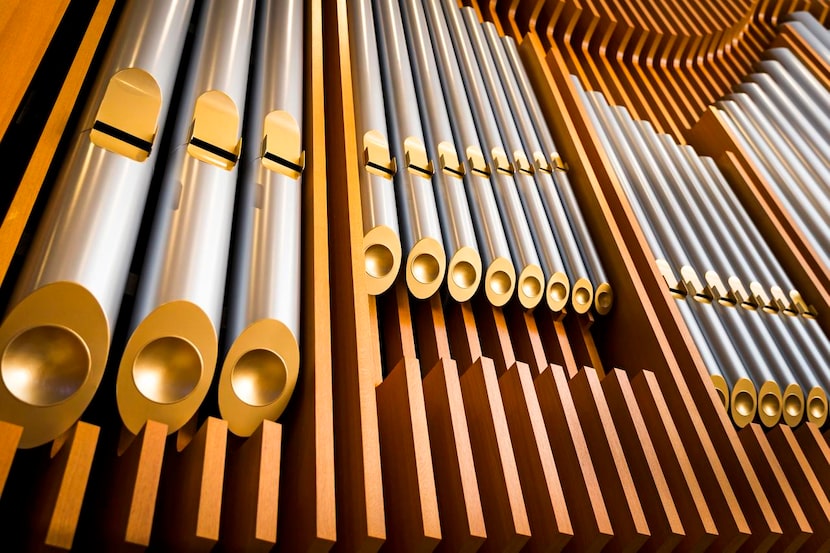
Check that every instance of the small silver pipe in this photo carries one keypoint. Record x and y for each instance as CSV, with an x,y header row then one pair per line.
x,y
426,260
794,69
464,264
168,363
263,306
807,22
530,284
69,292
381,231
499,271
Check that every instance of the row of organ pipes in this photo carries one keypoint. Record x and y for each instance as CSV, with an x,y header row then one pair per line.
x,y
464,199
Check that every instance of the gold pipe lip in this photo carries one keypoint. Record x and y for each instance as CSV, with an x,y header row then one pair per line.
x,y
582,295
603,298
722,388
464,274
500,281
792,401
54,346
426,266
530,286
816,406
743,402
557,292
382,258
769,404
258,376
167,366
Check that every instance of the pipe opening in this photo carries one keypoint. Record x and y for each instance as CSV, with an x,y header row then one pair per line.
x,y
744,403
167,369
463,274
500,282
793,405
770,405
45,365
531,287
259,377
582,296
425,268
379,260
558,291
817,408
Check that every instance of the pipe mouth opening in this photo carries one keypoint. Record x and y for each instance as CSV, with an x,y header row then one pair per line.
x,y
45,365
167,369
500,282
258,378
744,403
604,299
531,286
425,268
817,408
582,297
770,405
723,396
379,260
793,406
558,291
464,274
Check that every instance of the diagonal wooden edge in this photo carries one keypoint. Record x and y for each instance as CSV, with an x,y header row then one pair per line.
x,y
9,438
408,477
431,332
463,334
550,523
251,491
816,450
555,341
526,338
494,334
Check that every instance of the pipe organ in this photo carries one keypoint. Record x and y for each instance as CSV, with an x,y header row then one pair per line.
x,y
415,275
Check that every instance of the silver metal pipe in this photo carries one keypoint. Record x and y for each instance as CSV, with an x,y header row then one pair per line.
x,y
169,360
426,260
381,232
557,285
807,22
499,271
464,265
530,286
263,308
794,69
69,292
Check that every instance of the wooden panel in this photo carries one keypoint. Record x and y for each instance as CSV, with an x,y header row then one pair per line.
x,y
408,479
251,493
816,450
9,438
459,503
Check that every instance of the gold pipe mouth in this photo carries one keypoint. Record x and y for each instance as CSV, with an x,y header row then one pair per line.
x,y
817,406
464,274
167,369
744,402
793,405
258,376
530,286
499,281
382,259
604,298
425,268
769,404
582,295
722,388
45,365
557,292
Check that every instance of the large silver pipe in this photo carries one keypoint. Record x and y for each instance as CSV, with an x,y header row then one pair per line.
x,y
426,260
603,293
557,285
381,233
56,336
729,375
794,69
464,264
530,286
805,21
499,271
783,360
584,285
169,360
263,312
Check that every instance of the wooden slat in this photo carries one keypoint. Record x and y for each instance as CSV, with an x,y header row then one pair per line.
x,y
9,438
816,450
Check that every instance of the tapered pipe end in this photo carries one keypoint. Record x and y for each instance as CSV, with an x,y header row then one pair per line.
x,y
53,350
769,404
722,388
425,268
792,399
167,367
382,258
582,295
557,292
743,402
464,274
816,406
530,286
500,281
603,299
258,376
